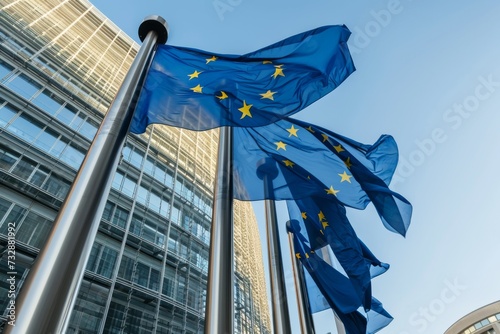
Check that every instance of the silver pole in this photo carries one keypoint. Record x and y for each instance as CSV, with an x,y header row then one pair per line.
x,y
219,312
325,254
49,292
267,171
305,315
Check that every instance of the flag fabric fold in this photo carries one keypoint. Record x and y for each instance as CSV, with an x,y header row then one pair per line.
x,y
329,282
373,167
199,90
326,223
311,161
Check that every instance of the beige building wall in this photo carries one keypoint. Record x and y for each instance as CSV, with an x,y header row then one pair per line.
x,y
485,320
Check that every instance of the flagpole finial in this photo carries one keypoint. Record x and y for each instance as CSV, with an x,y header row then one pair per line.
x,y
154,23
267,168
292,226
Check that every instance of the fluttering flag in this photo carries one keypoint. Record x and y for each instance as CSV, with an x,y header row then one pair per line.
x,y
199,90
337,289
326,223
304,160
373,168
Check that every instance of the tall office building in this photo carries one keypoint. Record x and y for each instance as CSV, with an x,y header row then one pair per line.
x,y
61,63
485,320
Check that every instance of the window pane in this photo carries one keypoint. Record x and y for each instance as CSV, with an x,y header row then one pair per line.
x,y
14,216
117,181
136,159
149,166
142,274
4,207
126,268
5,69
46,140
26,128
72,156
120,217
48,102
149,231
108,211
34,230
23,86
154,202
176,215
66,114
142,195
58,147
89,129
154,280
94,253
129,186
39,176
57,186
24,168
107,262
77,121
159,174
7,158
6,114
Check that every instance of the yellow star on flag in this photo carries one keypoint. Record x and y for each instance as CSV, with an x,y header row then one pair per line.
x,y
348,162
292,131
279,145
278,71
321,216
307,256
297,255
304,215
268,95
245,110
288,163
214,58
325,224
195,74
325,137
222,96
331,191
310,129
267,62
338,148
345,177
197,89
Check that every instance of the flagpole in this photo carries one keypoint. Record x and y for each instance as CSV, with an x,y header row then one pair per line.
x,y
325,255
304,309
219,312
49,292
267,171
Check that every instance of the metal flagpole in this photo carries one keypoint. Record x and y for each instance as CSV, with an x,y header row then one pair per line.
x,y
325,254
267,171
305,315
219,312
49,292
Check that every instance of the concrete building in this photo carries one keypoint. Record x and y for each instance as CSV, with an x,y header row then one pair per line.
x,y
485,320
61,63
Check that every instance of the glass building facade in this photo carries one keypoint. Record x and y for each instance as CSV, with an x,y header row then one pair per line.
x,y
61,63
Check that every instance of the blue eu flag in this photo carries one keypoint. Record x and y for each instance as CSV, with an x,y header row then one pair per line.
x,y
305,160
338,290
372,167
199,90
326,223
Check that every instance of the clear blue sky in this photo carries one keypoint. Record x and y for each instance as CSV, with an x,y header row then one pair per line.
x,y
428,73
